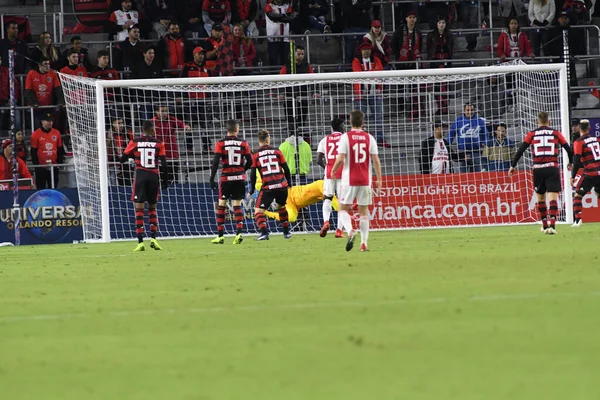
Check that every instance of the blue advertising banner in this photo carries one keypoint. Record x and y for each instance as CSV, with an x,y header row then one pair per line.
x,y
594,126
47,216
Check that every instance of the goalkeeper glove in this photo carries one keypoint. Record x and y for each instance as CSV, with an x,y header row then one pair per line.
x,y
213,184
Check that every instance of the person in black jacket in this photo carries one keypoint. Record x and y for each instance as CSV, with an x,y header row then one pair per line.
x,y
149,68
84,58
357,14
12,42
436,153
129,52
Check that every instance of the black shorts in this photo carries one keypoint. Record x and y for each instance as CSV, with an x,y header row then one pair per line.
x,y
586,183
236,190
547,180
145,187
266,197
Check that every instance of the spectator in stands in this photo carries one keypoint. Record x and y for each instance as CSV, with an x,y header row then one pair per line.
x,y
149,68
370,97
161,12
407,43
21,146
303,157
469,14
541,14
104,71
5,98
166,127
512,8
73,67
500,150
513,43
436,152
440,47
46,150
244,12
117,138
380,43
193,15
6,171
317,14
46,48
196,107
42,88
77,45
174,50
244,51
212,46
123,19
299,96
279,14
471,135
12,42
575,130
215,12
357,15
129,52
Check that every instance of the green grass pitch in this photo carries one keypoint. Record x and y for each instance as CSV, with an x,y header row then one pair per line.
x,y
465,314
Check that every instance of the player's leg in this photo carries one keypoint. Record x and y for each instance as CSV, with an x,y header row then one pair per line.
x,y
328,191
347,195
281,199
238,213
364,199
554,187
139,225
220,212
583,186
335,205
540,191
153,220
262,201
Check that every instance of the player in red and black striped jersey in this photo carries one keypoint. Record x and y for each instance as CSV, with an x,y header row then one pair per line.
x,y
236,158
147,151
545,143
276,179
587,156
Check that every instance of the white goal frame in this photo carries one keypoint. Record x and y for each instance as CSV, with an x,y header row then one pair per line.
x,y
102,85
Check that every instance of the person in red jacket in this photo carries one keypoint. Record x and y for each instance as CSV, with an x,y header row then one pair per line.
x,y
513,43
244,51
174,50
6,163
46,149
368,97
73,67
166,127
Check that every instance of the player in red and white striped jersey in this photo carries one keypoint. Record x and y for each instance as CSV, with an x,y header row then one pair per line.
x,y
544,142
356,150
326,155
587,156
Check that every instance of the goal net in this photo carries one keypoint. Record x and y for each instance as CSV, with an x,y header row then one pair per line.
x,y
402,110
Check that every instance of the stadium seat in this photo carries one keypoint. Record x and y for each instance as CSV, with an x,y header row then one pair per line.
x,y
91,6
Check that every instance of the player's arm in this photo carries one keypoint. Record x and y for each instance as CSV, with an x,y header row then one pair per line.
x,y
128,152
321,160
377,166
213,169
164,174
577,164
248,161
518,154
252,180
338,162
287,173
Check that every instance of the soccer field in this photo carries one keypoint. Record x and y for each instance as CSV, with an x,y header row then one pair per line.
x,y
486,313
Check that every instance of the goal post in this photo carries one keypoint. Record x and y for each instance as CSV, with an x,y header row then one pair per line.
x,y
400,109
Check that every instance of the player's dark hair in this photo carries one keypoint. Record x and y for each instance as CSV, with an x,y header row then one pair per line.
x,y
468,104
102,53
337,124
148,48
584,126
543,117
73,51
263,135
357,118
172,23
148,127
42,59
231,125
300,47
74,38
501,124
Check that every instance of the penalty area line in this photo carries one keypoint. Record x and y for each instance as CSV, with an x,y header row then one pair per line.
x,y
302,306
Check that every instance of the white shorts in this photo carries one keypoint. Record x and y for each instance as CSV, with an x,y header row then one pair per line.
x,y
331,187
362,194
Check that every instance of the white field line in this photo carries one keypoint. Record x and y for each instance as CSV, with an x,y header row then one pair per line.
x,y
304,306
